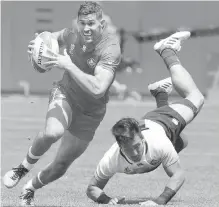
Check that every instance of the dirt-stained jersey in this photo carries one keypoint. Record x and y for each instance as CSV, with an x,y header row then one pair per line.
x,y
105,52
159,150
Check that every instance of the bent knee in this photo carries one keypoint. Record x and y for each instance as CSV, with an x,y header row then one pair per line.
x,y
201,102
197,98
53,135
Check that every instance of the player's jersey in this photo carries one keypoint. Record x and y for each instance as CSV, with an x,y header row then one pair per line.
x,y
158,149
105,52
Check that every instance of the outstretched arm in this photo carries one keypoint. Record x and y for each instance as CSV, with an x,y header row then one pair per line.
x,y
95,190
106,168
175,182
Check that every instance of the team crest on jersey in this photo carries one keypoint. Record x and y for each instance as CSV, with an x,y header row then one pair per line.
x,y
71,50
91,62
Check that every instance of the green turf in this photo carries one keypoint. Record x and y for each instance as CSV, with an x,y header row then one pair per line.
x,y
22,119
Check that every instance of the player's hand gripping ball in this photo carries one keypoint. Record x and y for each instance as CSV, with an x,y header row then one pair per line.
x,y
42,42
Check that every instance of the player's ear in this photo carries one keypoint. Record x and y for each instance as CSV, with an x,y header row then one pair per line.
x,y
102,22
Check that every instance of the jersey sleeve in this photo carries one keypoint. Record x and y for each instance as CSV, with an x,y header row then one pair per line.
x,y
110,58
107,166
170,155
65,34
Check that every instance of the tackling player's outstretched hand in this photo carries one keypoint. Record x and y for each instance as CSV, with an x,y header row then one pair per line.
x,y
31,47
57,60
114,201
148,203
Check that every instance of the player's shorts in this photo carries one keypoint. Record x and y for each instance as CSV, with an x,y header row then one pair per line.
x,y
83,125
172,122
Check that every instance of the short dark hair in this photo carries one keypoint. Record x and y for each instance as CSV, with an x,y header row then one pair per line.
x,y
125,129
90,7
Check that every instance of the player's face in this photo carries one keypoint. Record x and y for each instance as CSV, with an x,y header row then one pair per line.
x,y
90,27
133,149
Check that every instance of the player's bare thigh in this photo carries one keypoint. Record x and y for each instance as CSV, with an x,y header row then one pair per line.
x,y
186,112
58,117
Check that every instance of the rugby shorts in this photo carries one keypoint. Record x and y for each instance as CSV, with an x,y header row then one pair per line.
x,y
172,122
83,125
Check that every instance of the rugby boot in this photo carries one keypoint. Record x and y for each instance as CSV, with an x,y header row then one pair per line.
x,y
13,176
27,197
164,85
173,42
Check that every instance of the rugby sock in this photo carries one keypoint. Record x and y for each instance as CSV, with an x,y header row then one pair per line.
x,y
29,185
170,57
27,165
161,99
36,182
31,159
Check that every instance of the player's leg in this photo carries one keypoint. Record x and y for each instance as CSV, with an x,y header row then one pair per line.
x,y
181,142
160,90
57,120
71,148
181,79
74,143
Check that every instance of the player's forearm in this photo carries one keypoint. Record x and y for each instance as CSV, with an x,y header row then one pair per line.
x,y
176,181
174,184
98,195
87,82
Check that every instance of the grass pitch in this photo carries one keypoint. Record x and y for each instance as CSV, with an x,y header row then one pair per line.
x,y
22,118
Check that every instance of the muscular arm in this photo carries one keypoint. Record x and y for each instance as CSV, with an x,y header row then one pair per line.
x,y
105,170
97,84
176,180
95,190
177,176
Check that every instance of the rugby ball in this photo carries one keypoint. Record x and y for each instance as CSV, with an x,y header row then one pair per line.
x,y
43,41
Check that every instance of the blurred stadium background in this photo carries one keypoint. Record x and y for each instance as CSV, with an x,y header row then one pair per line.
x,y
140,24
